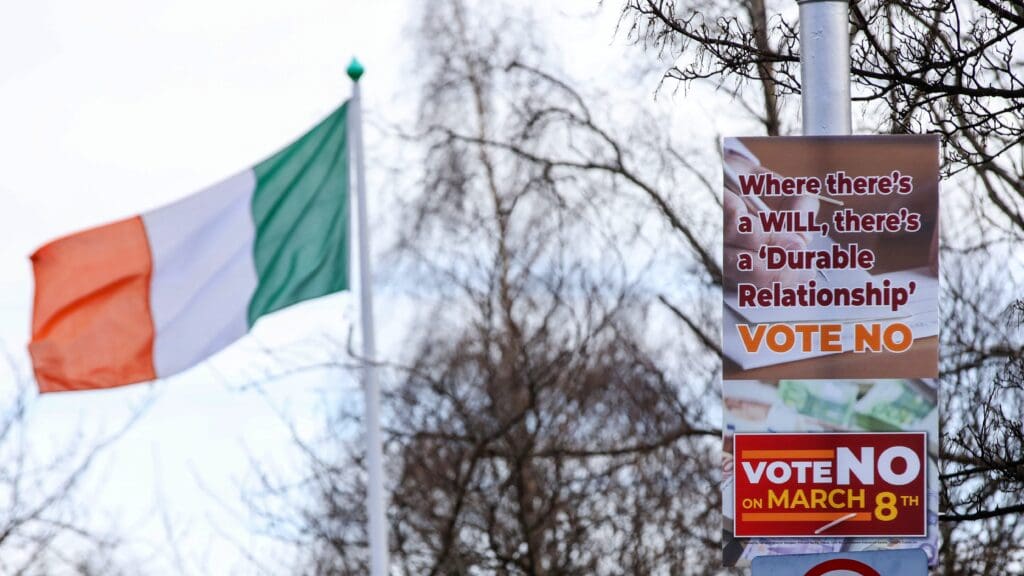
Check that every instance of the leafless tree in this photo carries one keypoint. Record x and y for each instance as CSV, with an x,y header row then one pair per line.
x,y
557,411
550,418
42,530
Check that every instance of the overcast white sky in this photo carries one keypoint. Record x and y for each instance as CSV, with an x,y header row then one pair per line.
x,y
111,107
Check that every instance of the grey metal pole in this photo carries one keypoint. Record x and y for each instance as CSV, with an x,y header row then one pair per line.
x,y
375,495
825,66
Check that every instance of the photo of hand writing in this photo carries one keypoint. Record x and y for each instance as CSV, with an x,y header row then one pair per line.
x,y
738,160
830,253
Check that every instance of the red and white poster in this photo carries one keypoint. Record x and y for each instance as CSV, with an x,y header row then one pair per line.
x,y
826,485
830,345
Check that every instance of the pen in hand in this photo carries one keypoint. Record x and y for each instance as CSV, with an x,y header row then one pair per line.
x,y
758,205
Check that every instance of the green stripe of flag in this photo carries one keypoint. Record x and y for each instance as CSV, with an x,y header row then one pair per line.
x,y
300,211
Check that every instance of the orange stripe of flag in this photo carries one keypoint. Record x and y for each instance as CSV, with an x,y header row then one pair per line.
x,y
91,322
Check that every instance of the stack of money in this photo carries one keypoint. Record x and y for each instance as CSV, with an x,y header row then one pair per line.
x,y
825,400
747,403
892,405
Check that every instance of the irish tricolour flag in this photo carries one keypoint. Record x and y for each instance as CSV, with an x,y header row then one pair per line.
x,y
154,294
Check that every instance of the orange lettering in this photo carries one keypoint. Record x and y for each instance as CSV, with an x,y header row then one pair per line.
x,y
751,342
830,334
867,337
906,337
787,338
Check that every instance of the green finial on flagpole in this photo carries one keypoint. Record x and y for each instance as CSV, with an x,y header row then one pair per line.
x,y
355,70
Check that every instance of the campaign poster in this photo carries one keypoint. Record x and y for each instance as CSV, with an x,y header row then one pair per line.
x,y
830,484
830,344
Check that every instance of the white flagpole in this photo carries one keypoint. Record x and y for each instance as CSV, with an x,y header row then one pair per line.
x,y
375,497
